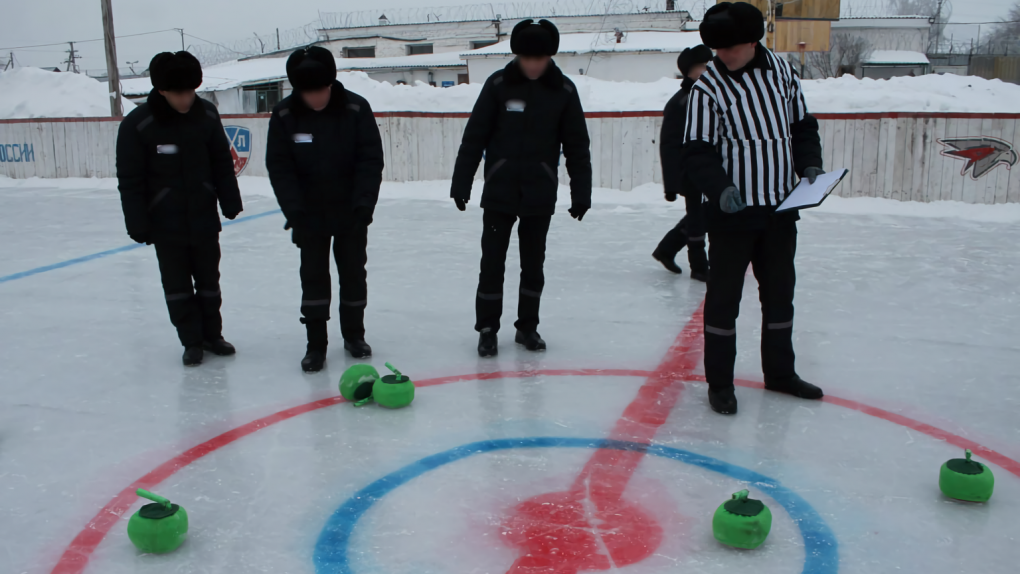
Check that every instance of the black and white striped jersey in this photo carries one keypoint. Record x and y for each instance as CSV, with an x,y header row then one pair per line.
x,y
747,116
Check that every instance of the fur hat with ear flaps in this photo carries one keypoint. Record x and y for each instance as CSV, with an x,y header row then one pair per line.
x,y
170,72
311,68
728,24
690,57
535,39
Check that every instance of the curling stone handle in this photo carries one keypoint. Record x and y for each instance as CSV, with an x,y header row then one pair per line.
x,y
968,454
742,495
153,497
394,369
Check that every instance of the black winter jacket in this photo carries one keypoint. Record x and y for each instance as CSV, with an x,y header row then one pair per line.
x,y
171,170
671,142
325,165
521,125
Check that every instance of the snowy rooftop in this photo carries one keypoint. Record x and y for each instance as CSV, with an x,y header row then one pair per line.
x,y
606,42
441,60
889,22
896,57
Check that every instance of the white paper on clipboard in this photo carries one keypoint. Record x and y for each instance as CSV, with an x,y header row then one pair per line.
x,y
807,195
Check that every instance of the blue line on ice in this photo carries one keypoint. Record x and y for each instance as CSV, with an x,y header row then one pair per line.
x,y
821,550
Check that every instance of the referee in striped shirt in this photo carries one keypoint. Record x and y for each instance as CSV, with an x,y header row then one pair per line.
x,y
749,137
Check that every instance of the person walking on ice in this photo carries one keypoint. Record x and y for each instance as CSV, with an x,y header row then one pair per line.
x,y
749,137
525,114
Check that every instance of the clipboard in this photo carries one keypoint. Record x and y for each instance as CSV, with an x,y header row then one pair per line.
x,y
807,195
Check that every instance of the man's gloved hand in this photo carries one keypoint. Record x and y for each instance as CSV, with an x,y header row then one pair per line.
x,y
139,236
295,233
363,215
812,173
461,203
231,215
670,197
731,200
577,212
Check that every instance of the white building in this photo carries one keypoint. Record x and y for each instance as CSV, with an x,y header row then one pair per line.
x,y
633,57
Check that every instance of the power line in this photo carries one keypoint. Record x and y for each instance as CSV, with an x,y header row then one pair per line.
x,y
213,43
83,41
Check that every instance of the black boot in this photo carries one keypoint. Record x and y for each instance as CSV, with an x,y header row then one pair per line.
x,y
358,349
488,344
667,261
796,386
699,261
193,356
314,361
219,347
532,341
723,400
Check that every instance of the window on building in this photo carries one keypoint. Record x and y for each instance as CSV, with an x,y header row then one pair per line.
x,y
359,52
417,49
266,97
482,43
462,78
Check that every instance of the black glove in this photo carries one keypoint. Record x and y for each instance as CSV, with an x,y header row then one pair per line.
x,y
461,203
363,215
295,234
231,215
578,212
670,197
812,173
731,201
139,236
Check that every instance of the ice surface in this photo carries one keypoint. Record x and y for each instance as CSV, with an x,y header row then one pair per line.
x,y
914,315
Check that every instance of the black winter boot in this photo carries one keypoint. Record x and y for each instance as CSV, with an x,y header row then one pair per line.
x,y
699,260
667,261
193,356
488,343
794,385
318,342
219,347
532,341
723,400
358,349
314,361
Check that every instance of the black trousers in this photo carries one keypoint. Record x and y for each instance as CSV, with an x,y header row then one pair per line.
x,y
532,232
351,253
191,283
689,233
771,253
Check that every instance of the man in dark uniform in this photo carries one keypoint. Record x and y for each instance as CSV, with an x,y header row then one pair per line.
x,y
325,162
524,115
690,232
173,165
749,136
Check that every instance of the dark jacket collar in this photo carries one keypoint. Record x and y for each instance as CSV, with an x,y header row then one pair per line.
x,y
166,115
687,84
553,76
760,61
337,101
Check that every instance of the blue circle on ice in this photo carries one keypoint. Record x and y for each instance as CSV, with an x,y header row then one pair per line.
x,y
821,550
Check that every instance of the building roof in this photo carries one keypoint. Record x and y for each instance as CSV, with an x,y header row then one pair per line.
x,y
441,60
895,57
586,43
508,18
919,22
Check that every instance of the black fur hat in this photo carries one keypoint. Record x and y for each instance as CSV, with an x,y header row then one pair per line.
x,y
171,72
311,68
700,54
727,24
531,39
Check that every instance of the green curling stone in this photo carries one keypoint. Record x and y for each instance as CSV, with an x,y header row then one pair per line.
x,y
742,522
158,528
357,381
966,479
394,391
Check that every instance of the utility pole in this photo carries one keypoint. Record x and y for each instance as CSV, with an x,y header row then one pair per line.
x,y
113,75
277,39
72,59
10,63
181,30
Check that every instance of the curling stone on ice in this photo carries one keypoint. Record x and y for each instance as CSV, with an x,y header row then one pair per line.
x,y
966,479
159,527
394,391
742,522
357,381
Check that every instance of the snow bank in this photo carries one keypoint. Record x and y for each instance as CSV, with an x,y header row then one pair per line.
x,y
36,93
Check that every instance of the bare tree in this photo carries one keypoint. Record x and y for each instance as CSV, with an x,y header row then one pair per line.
x,y
846,53
1005,39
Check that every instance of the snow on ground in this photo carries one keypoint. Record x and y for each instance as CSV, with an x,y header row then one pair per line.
x,y
647,195
37,93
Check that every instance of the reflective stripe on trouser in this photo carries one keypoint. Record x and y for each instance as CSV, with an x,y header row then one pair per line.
x,y
350,254
191,283
770,252
532,232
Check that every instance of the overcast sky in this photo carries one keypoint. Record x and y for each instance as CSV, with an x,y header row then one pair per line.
x,y
27,22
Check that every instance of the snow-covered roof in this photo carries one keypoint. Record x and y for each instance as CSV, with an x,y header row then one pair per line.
x,y
257,71
919,22
888,57
586,43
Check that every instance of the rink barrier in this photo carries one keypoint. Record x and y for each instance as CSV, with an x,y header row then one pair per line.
x,y
904,156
